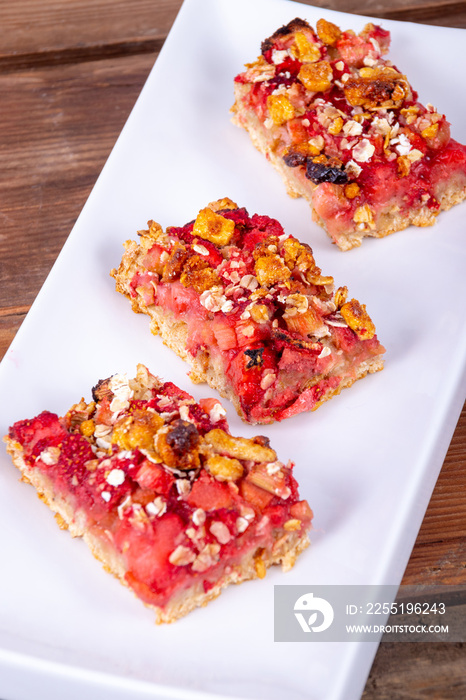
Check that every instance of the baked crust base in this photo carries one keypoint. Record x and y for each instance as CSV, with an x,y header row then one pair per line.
x,y
389,220
206,366
187,600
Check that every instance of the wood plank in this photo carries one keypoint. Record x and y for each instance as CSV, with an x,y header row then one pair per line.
x,y
446,13
439,555
421,671
34,32
9,326
49,161
58,127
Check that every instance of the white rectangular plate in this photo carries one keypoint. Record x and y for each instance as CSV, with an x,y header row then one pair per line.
x,y
366,461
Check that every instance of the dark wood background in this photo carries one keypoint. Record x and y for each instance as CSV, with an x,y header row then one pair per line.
x,y
70,72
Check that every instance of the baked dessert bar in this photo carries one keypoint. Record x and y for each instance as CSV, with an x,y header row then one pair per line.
x,y
246,305
345,130
168,500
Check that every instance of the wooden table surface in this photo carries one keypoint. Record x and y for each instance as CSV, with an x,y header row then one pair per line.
x,y
70,72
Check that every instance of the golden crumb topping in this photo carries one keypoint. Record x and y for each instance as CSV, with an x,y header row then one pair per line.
x,y
213,227
358,319
328,32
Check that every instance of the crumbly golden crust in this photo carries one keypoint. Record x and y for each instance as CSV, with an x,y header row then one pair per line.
x,y
187,601
159,491
335,118
270,316
190,599
208,368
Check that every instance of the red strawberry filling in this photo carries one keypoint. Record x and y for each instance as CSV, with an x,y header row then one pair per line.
x,y
158,478
266,314
343,118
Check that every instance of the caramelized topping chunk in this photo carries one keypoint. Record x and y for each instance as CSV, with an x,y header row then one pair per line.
x,y
137,430
224,468
174,265
316,77
178,445
382,88
183,437
305,50
213,227
271,269
239,448
199,274
358,319
328,32
221,204
280,108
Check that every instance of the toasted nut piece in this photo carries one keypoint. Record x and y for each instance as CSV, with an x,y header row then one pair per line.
x,y
220,531
296,304
207,557
352,190
280,109
224,203
315,277
363,215
336,126
358,319
154,233
259,564
272,483
174,265
271,269
403,165
197,273
137,430
182,556
296,254
430,132
259,313
340,296
328,32
213,227
143,383
410,114
102,390
384,88
316,77
87,428
292,525
241,448
224,468
305,50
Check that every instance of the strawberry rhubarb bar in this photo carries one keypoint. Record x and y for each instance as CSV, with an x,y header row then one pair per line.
x,y
346,131
172,504
246,305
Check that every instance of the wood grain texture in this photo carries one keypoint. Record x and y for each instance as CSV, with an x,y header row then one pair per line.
x,y
59,125
70,72
33,32
446,13
407,671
